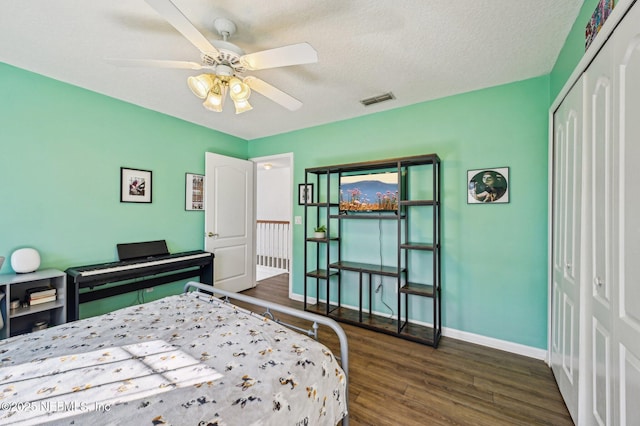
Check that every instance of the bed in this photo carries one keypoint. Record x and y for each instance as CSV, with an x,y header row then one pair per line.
x,y
191,359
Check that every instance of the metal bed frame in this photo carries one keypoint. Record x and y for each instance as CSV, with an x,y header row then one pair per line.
x,y
307,316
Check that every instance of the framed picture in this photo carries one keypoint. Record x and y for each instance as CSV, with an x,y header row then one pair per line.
x,y
135,185
488,186
194,192
305,193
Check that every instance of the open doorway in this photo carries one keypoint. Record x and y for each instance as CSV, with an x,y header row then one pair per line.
x,y
274,195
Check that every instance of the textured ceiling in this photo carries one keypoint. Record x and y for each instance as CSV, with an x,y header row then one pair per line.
x,y
419,50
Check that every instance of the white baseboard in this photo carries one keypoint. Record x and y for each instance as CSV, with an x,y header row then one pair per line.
x,y
491,342
465,336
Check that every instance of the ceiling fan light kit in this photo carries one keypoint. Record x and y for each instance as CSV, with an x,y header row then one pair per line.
x,y
226,62
213,90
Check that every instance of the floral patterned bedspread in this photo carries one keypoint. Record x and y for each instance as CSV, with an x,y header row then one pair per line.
x,y
183,360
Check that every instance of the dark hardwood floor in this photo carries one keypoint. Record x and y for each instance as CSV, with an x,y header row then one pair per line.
x,y
397,382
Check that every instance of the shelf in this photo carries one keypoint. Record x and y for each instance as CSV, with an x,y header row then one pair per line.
x,y
19,312
417,289
421,334
371,321
390,271
418,203
376,165
321,273
410,331
417,246
414,243
45,274
378,216
22,319
322,205
321,308
322,240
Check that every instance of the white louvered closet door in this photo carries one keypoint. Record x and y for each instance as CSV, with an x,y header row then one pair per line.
x,y
567,177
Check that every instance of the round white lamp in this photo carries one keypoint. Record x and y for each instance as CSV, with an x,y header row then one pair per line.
x,y
25,260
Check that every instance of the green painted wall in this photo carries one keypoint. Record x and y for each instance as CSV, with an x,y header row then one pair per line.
x,y
62,149
494,256
573,49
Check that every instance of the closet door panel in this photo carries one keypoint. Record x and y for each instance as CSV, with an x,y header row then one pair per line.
x,y
602,374
627,297
629,125
601,200
599,210
629,391
567,180
560,142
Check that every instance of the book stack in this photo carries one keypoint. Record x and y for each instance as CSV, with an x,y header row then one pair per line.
x,y
38,295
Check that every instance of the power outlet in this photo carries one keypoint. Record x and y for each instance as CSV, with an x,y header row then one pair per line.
x,y
148,290
297,220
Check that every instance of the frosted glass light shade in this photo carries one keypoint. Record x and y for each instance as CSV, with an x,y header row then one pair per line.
x,y
25,260
213,102
242,106
238,90
215,98
200,85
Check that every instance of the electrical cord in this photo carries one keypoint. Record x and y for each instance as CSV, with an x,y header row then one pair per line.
x,y
379,286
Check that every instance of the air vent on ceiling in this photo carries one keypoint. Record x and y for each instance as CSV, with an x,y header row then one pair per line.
x,y
377,99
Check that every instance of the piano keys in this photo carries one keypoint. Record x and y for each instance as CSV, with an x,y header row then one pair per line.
x,y
158,268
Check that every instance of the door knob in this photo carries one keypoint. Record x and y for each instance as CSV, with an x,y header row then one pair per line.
x,y
211,234
598,281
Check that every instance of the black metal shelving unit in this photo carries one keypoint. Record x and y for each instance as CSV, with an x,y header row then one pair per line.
x,y
325,266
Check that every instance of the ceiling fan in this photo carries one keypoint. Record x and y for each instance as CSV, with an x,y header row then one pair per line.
x,y
225,63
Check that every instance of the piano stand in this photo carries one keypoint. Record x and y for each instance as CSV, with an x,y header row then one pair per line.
x,y
198,265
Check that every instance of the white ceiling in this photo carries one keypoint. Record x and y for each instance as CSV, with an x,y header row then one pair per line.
x,y
420,50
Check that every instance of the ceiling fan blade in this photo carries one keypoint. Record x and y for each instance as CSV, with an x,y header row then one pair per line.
x,y
156,63
175,17
295,54
273,93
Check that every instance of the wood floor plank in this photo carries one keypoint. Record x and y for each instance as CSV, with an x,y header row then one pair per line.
x,y
534,397
398,382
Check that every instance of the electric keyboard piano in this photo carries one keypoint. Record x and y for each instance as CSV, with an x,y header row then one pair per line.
x,y
161,269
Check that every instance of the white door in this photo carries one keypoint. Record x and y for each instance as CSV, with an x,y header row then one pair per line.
x,y
626,313
601,158
229,220
568,122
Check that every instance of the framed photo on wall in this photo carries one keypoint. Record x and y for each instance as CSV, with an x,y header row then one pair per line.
x,y
194,192
488,186
135,185
305,193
